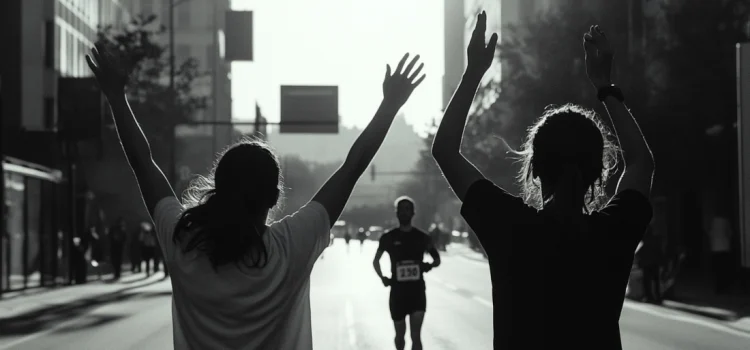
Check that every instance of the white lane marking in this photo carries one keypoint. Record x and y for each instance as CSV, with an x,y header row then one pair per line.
x,y
349,315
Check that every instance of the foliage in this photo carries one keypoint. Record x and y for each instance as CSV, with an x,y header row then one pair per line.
x,y
154,104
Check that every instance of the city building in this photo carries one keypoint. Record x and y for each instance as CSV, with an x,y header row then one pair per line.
x,y
44,43
198,32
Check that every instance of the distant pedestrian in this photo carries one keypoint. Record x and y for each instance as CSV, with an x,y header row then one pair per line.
x,y
117,237
720,235
649,257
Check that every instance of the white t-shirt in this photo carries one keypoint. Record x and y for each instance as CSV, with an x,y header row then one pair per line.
x,y
240,307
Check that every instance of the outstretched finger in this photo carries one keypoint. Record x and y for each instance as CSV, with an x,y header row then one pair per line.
x,y
401,64
416,72
419,81
92,65
492,43
411,65
96,54
387,71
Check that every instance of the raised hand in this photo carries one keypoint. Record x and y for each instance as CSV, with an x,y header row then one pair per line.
x,y
480,56
108,69
599,57
398,86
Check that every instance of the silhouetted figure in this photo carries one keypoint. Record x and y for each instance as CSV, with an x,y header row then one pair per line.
x,y
650,257
226,262
563,221
148,249
406,247
117,237
720,235
135,248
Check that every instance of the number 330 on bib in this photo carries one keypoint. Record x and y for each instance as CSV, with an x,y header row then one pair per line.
x,y
407,272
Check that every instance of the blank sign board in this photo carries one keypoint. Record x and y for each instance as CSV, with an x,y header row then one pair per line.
x,y
238,44
309,109
743,142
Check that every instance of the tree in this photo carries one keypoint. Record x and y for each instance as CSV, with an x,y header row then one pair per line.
x,y
697,54
157,107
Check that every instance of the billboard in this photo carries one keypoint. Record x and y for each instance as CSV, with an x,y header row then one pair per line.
x,y
309,109
743,142
238,45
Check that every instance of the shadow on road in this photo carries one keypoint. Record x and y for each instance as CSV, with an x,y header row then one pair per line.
x,y
46,317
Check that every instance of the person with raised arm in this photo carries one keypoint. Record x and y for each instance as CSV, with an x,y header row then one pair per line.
x,y
238,282
538,244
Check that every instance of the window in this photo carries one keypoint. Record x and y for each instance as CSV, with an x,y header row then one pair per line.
x,y
210,56
147,7
183,15
49,44
58,45
182,52
49,113
165,4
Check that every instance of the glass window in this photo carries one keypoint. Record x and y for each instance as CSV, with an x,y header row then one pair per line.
x,y
13,243
57,53
147,7
182,52
183,15
33,216
165,12
210,55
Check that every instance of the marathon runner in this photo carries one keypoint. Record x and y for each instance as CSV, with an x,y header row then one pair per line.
x,y
406,247
361,235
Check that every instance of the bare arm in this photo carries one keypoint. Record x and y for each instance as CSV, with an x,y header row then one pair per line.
x,y
638,170
397,88
376,262
432,250
151,181
639,162
446,148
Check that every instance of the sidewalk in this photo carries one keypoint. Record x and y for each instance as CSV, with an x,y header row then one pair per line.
x,y
60,298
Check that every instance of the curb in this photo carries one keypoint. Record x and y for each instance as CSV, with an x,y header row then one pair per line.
x,y
71,304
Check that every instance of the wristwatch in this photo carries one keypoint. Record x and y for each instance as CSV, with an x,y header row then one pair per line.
x,y
611,90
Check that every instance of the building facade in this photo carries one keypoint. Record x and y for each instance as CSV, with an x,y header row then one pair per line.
x,y
198,32
45,43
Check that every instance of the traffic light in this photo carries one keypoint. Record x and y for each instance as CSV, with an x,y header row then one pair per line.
x,y
372,172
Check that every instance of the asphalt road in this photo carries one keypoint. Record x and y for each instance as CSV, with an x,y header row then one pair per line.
x,y
350,311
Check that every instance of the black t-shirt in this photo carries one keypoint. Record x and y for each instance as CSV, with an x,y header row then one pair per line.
x,y
406,251
555,286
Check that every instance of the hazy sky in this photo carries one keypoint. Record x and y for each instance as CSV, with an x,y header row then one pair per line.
x,y
340,42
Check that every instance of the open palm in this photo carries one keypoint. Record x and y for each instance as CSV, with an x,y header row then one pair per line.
x,y
398,86
599,57
108,69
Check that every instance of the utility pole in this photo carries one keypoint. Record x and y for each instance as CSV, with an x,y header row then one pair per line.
x,y
171,45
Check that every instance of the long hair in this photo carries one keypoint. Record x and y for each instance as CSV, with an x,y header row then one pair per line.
x,y
227,210
567,139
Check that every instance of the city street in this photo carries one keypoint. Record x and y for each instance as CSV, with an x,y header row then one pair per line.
x,y
350,311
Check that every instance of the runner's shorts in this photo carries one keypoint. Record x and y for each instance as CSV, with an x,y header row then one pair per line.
x,y
406,301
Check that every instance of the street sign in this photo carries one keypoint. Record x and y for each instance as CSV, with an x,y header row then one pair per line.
x,y
743,142
309,109
238,44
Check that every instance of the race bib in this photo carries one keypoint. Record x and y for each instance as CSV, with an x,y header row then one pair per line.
x,y
407,271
